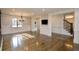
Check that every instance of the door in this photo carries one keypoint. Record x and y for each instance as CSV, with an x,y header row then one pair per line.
x,y
36,25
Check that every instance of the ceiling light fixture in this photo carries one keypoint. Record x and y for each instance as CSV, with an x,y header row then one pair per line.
x,y
43,9
21,20
70,16
13,10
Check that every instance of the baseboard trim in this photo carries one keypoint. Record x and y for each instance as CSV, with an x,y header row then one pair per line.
x,y
16,33
61,34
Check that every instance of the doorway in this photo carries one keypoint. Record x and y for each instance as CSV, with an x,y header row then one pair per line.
x,y
36,25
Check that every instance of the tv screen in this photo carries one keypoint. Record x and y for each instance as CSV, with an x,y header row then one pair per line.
x,y
45,21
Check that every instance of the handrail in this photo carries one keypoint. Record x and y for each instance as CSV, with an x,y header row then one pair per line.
x,y
67,22
69,26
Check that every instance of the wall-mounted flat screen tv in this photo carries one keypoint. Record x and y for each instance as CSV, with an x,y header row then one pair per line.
x,y
44,22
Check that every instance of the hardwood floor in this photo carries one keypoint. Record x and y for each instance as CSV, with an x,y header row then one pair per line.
x,y
19,42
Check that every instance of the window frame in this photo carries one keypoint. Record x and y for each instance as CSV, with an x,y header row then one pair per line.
x,y
16,23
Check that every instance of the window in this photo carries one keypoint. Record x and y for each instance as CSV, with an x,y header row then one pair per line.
x,y
16,23
19,23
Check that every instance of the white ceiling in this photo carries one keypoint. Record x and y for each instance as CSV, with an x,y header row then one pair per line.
x,y
32,11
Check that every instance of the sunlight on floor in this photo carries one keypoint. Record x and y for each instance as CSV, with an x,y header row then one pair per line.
x,y
69,45
16,40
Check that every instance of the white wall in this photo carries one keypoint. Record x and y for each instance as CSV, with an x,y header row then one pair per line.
x,y
57,24
45,29
6,25
76,24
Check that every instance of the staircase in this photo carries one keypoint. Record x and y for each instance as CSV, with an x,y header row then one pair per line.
x,y
68,27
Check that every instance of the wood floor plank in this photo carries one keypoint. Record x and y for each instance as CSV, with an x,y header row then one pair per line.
x,y
38,43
